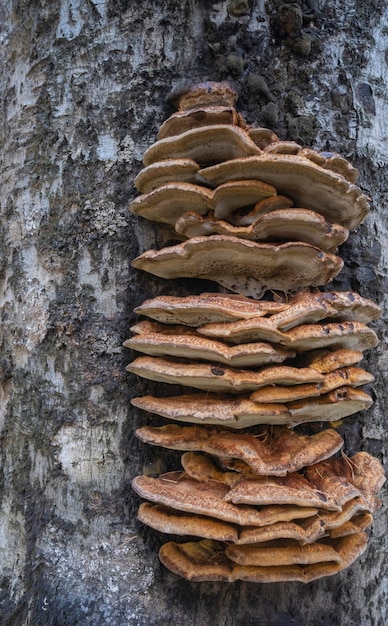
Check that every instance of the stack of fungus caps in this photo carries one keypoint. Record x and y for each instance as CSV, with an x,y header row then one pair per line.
x,y
259,216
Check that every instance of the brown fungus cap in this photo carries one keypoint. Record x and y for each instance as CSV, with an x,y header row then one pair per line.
x,y
325,361
196,347
169,171
168,520
273,451
236,194
312,307
169,201
350,510
205,145
206,561
218,378
177,491
262,137
307,184
353,526
243,266
280,552
274,203
292,489
351,376
332,161
182,121
333,481
284,225
362,470
207,93
235,412
283,147
330,407
196,310
354,336
306,531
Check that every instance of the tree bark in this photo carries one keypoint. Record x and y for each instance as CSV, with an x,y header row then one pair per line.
x,y
83,93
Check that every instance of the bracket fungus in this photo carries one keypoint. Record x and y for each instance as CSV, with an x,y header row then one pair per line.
x,y
261,217
291,224
243,266
306,183
182,121
273,451
207,560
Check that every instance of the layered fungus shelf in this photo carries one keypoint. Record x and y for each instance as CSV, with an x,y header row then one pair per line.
x,y
263,218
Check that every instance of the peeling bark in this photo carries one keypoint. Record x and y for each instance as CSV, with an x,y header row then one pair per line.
x,y
83,93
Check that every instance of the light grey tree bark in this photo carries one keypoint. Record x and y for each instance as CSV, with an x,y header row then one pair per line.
x,y
83,90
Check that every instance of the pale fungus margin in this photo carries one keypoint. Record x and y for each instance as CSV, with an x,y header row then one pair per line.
x,y
261,217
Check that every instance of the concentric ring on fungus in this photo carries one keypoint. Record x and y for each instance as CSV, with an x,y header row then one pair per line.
x,y
243,266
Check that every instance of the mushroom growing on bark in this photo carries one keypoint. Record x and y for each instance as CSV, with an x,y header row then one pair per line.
x,y
261,217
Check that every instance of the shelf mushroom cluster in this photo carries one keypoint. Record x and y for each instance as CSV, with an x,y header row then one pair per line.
x,y
258,216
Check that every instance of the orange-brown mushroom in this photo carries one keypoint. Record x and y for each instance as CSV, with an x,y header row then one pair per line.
x,y
205,145
283,147
197,347
235,412
273,451
211,377
169,201
243,266
268,205
262,137
209,93
169,171
325,361
332,161
354,336
176,491
307,184
363,470
280,552
197,310
237,194
350,376
332,406
285,225
174,522
206,560
304,531
198,117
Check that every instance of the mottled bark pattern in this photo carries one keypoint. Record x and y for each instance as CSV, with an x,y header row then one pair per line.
x,y
83,92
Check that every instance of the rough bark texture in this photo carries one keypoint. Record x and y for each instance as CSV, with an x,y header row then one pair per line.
x,y
83,93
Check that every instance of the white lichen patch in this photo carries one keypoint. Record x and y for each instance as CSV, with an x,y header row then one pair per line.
x,y
103,217
103,286
107,148
111,153
13,548
71,19
89,455
27,299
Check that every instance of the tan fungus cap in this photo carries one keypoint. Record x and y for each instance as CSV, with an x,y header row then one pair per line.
x,y
307,184
205,145
277,226
206,308
273,451
206,561
243,266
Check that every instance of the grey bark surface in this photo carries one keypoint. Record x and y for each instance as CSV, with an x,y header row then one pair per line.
x,y
83,91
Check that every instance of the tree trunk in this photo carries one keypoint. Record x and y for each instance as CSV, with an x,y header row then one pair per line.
x,y
83,93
